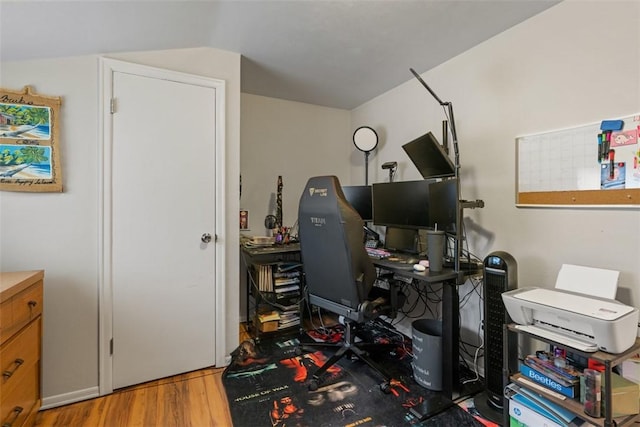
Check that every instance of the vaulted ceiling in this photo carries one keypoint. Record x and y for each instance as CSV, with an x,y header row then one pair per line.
x,y
338,53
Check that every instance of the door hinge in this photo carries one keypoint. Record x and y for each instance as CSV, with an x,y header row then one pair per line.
x,y
215,237
112,105
111,346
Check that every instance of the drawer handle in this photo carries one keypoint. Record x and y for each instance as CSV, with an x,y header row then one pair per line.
x,y
8,372
32,305
17,410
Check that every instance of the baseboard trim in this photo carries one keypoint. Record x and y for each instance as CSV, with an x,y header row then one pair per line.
x,y
67,398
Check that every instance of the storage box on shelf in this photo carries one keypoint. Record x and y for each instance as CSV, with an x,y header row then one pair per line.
x,y
574,405
20,343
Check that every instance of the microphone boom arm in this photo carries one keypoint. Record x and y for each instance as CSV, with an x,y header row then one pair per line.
x,y
449,105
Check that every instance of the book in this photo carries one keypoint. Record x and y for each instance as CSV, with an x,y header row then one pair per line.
x,y
283,301
573,391
286,281
541,405
265,279
288,266
531,409
289,319
286,317
566,376
288,325
528,417
286,274
560,365
288,288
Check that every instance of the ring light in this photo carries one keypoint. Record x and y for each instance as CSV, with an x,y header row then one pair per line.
x,y
365,140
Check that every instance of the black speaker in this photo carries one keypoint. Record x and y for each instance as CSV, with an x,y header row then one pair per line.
x,y
500,275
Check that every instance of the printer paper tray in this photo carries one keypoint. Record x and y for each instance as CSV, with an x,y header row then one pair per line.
x,y
587,347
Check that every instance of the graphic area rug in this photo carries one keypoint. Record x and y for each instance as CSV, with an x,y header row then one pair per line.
x,y
267,385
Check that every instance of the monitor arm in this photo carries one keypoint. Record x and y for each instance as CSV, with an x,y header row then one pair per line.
x,y
449,106
370,232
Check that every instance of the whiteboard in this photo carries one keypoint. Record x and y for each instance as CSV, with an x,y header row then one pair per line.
x,y
566,167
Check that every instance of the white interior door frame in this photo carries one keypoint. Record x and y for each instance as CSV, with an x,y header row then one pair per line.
x,y
105,283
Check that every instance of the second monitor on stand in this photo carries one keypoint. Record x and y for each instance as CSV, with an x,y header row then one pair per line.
x,y
359,196
401,240
402,204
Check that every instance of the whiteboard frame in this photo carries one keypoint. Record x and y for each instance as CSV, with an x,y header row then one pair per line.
x,y
586,198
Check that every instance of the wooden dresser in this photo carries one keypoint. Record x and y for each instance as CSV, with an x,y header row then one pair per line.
x,y
20,344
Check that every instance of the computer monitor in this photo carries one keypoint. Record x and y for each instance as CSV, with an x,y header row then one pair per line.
x,y
443,204
428,155
401,240
402,204
359,196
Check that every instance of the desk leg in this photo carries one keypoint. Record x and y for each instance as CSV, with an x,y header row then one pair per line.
x,y
248,290
450,339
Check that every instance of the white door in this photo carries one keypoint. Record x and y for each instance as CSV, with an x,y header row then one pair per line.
x,y
162,204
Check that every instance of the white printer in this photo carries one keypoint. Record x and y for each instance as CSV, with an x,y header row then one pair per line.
x,y
581,321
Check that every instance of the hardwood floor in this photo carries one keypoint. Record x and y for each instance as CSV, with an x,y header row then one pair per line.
x,y
194,399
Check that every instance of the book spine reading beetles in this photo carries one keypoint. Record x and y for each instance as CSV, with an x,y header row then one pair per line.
x,y
592,392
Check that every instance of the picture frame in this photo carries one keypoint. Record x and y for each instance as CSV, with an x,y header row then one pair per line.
x,y
244,219
29,141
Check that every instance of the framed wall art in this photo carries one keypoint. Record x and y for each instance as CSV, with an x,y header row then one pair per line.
x,y
29,144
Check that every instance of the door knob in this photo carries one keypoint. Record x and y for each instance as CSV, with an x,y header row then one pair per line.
x,y
206,238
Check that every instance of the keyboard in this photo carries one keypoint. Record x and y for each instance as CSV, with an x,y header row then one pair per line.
x,y
464,264
378,253
587,347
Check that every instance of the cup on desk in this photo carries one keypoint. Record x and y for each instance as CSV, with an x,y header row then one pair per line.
x,y
435,249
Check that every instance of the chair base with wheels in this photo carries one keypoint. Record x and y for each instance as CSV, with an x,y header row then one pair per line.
x,y
348,348
354,320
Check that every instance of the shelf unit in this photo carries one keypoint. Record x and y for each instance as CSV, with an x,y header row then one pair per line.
x,y
608,360
277,287
253,257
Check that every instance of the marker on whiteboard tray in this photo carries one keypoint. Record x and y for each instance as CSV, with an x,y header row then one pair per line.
x,y
599,147
612,155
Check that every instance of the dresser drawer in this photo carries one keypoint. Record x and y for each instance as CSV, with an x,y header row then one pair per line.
x,y
17,354
20,343
17,403
27,304
19,310
6,319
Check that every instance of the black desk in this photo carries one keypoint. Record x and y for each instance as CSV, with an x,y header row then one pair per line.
x,y
450,317
256,252
450,301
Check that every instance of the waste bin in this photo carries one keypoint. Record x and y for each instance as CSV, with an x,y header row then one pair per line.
x,y
427,353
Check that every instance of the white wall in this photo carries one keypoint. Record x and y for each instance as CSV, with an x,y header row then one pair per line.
x,y
291,139
574,64
58,232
